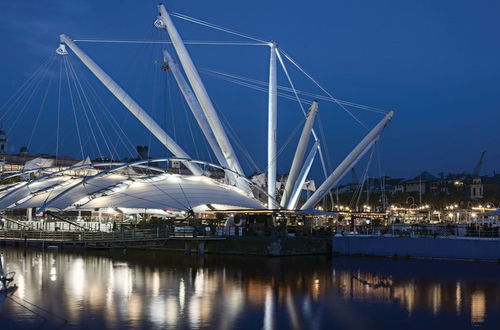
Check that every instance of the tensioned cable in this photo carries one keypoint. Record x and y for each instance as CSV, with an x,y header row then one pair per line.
x,y
234,78
216,27
122,137
99,128
73,76
58,108
91,111
232,134
278,50
288,57
39,112
24,86
73,105
359,191
186,42
27,100
278,55
171,106
382,178
188,121
258,88
81,92
293,88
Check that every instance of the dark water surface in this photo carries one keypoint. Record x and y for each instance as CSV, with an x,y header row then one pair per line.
x,y
156,290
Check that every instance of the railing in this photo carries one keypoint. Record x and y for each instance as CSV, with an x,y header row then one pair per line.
x,y
65,236
449,231
157,233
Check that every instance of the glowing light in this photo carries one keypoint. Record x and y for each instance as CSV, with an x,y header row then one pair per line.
x,y
478,308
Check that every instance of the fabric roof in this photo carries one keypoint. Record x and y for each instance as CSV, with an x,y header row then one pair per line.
x,y
166,191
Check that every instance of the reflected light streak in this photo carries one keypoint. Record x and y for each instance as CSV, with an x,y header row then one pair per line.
x,y
194,312
292,310
171,312
157,311
458,298
269,310
436,299
233,305
77,278
53,274
478,308
155,283
182,295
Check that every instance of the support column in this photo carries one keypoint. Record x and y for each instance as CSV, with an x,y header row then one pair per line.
x,y
131,105
294,196
272,134
29,213
197,111
347,163
299,154
202,96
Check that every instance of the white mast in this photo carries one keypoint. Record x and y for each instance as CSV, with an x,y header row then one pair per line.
x,y
195,107
299,154
272,132
202,96
131,105
347,163
294,196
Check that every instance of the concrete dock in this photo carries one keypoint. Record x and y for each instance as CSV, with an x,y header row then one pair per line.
x,y
464,248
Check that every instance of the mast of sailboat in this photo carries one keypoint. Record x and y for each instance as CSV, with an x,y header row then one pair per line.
x,y
202,96
128,102
347,163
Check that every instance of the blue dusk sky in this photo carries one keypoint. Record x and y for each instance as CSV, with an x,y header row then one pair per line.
x,y
436,63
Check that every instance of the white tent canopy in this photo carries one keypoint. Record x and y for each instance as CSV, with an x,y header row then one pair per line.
x,y
113,189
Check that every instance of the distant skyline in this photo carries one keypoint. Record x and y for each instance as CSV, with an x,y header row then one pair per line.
x,y
436,63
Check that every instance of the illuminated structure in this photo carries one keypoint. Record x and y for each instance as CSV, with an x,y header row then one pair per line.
x,y
113,185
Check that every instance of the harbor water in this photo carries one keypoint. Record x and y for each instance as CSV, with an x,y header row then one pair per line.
x,y
157,290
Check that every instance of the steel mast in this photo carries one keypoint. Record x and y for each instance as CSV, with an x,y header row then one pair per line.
x,y
272,129
195,107
299,154
347,163
301,179
129,103
202,96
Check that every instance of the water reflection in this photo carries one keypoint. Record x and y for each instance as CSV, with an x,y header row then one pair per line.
x,y
173,291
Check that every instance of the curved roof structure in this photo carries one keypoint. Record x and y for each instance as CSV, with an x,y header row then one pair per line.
x,y
120,187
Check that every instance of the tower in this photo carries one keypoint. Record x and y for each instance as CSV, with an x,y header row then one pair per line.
x,y
3,142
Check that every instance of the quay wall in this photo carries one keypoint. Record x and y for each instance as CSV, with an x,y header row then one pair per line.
x,y
418,247
257,246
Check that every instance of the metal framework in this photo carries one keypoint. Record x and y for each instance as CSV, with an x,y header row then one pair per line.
x,y
202,96
207,118
130,104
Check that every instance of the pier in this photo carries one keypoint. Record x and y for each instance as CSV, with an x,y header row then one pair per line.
x,y
101,240
420,241
156,239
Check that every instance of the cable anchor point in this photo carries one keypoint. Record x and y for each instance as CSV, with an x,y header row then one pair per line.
x,y
61,50
159,23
